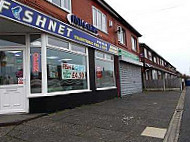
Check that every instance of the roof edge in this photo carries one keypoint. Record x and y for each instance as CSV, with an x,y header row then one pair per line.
x,y
118,16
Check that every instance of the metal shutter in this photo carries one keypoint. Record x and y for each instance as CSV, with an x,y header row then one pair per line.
x,y
130,78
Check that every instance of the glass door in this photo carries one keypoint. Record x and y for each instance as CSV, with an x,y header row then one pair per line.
x,y
12,81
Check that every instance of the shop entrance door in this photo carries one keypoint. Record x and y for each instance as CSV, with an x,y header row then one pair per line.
x,y
12,81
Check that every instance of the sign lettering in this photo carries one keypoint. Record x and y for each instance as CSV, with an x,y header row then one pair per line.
x,y
22,14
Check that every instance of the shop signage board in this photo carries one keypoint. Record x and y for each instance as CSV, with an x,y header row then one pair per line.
x,y
129,57
73,19
20,13
72,71
127,54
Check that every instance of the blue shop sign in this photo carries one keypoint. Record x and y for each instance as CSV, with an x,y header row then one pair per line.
x,y
20,13
73,19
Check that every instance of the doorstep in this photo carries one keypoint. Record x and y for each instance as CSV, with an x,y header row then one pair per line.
x,y
16,119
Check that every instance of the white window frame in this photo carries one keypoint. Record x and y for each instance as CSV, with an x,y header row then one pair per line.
x,y
62,5
149,55
145,53
75,53
105,59
121,35
158,61
96,20
44,68
134,43
154,59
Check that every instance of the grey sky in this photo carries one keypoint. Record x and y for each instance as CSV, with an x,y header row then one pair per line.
x,y
164,24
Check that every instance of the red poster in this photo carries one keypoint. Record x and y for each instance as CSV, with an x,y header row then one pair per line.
x,y
35,62
98,72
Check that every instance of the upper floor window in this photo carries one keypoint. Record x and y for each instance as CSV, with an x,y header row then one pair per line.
x,y
134,43
99,19
145,53
150,55
121,35
65,4
154,59
158,60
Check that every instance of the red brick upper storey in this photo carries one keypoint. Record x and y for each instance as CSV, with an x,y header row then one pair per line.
x,y
149,56
83,10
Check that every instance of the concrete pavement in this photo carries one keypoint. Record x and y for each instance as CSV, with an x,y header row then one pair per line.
x,y
16,119
117,120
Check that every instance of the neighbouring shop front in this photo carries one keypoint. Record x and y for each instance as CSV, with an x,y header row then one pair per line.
x,y
47,65
130,73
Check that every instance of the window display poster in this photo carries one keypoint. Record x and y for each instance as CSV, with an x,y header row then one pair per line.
x,y
53,73
73,71
36,59
99,72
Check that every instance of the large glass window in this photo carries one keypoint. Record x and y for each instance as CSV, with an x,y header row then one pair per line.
x,y
99,19
11,67
65,4
104,70
66,70
35,64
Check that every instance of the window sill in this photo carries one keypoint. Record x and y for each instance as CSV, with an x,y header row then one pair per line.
x,y
106,88
105,32
123,45
58,93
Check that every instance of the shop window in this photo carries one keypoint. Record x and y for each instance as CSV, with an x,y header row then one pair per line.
x,y
104,70
64,4
35,64
146,75
121,35
134,43
99,20
154,75
66,70
159,75
12,40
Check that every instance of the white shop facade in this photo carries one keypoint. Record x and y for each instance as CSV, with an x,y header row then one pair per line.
x,y
42,57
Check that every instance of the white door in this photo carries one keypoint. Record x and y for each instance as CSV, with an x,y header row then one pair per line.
x,y
12,81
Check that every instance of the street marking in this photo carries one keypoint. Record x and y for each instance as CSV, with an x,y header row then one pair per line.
x,y
154,132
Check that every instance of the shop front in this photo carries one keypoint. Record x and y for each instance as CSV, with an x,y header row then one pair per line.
x,y
130,73
47,65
